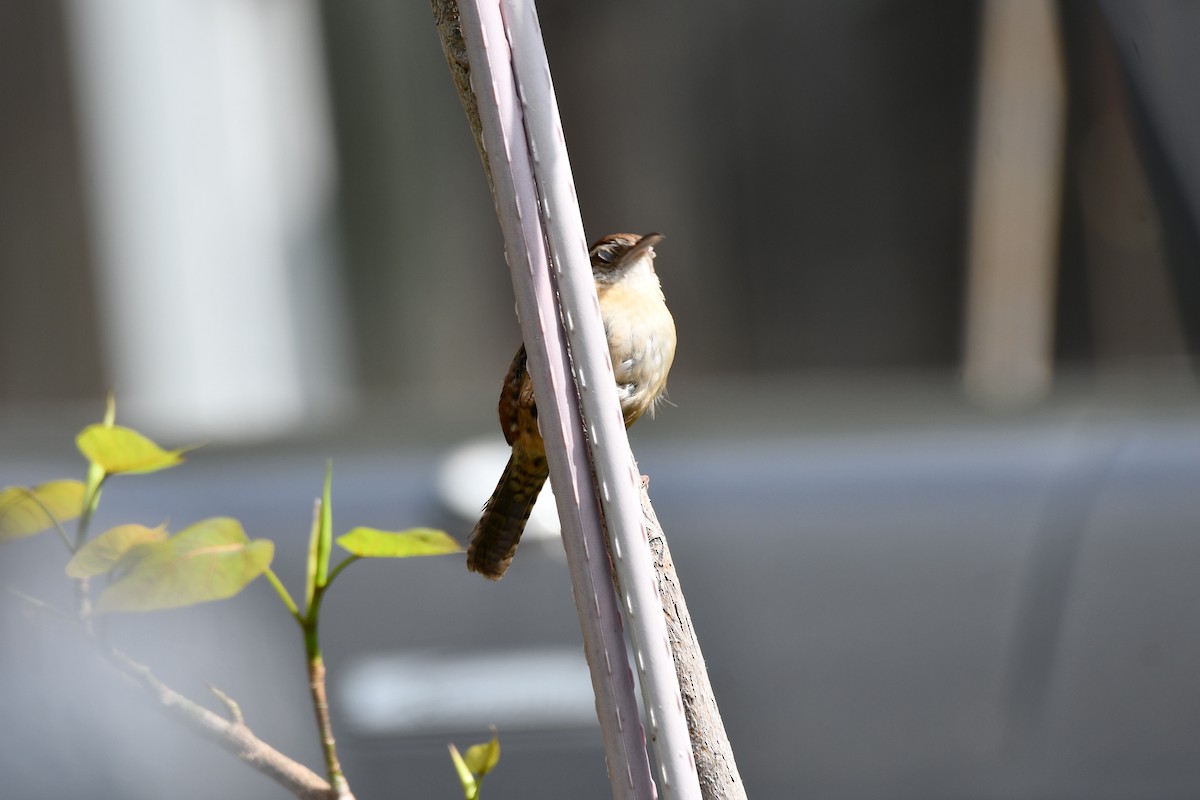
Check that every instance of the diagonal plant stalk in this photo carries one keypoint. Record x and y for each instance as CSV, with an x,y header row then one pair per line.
x,y
490,64
616,476
710,749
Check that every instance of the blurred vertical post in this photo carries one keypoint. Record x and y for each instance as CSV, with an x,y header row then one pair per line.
x,y
209,158
1014,228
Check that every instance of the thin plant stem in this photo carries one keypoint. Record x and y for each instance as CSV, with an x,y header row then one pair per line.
x,y
32,495
337,570
282,591
316,682
91,499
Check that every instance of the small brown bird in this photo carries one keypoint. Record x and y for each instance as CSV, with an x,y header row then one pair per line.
x,y
641,343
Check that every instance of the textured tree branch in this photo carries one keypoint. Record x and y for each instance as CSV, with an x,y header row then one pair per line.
x,y
445,16
715,765
233,736
316,682
523,211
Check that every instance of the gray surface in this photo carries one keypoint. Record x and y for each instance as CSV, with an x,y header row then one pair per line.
x,y
1001,610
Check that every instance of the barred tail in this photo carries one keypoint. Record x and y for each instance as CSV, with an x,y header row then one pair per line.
x,y
494,540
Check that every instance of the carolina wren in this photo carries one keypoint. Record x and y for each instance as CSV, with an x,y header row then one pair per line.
x,y
641,344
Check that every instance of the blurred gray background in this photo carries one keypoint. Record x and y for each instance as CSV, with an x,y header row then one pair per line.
x,y
930,469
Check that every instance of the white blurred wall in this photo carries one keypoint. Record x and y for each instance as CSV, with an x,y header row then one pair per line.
x,y
210,165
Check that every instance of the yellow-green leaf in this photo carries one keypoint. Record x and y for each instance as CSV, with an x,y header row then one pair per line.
x,y
210,560
325,528
117,450
372,543
23,510
102,553
482,758
465,777
310,563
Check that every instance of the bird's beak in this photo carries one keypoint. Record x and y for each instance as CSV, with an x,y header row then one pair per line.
x,y
645,243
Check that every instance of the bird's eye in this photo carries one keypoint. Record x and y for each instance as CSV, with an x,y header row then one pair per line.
x,y
606,254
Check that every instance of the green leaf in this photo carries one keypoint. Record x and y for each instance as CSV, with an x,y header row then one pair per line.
x,y
465,777
210,560
325,528
102,553
319,542
310,567
371,543
482,758
116,450
23,510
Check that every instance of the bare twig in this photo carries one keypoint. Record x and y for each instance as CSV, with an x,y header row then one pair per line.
x,y
715,765
316,682
316,686
230,735
235,711
32,605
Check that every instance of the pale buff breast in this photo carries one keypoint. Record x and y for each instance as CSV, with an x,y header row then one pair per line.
x,y
641,338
